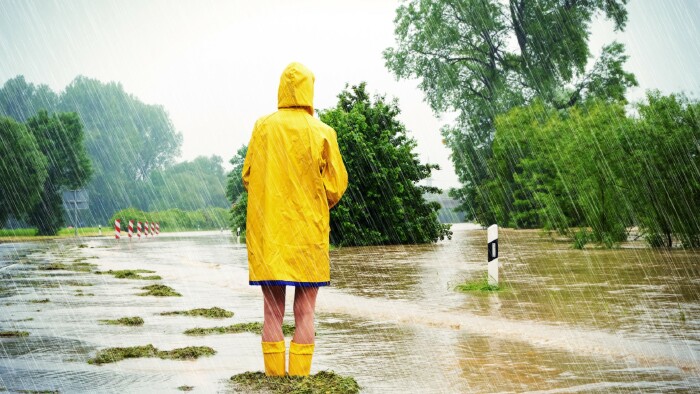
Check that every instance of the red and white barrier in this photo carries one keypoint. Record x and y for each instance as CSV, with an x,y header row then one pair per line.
x,y
145,229
153,228
138,229
157,228
117,229
131,229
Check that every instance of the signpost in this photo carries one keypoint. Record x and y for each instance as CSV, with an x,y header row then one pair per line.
x,y
492,239
74,200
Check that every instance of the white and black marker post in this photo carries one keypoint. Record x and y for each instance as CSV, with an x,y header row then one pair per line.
x,y
493,254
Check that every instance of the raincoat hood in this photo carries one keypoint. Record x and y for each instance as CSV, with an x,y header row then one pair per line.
x,y
296,88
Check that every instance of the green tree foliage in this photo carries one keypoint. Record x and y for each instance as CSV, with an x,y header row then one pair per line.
x,y
60,138
235,191
21,100
22,169
234,184
383,203
561,169
126,139
593,166
663,170
189,185
463,54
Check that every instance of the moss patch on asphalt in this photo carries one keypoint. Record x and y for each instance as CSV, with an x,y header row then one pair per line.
x,y
114,354
77,266
77,283
44,301
322,382
185,388
131,274
159,290
125,321
211,313
13,334
253,327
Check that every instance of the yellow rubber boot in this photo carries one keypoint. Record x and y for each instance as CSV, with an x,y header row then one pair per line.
x,y
300,358
273,354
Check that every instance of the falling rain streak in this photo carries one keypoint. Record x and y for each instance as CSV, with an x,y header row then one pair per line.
x,y
574,127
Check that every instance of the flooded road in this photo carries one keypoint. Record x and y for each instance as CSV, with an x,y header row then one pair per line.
x,y
568,320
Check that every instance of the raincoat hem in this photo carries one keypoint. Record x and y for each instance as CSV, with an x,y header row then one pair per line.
x,y
287,283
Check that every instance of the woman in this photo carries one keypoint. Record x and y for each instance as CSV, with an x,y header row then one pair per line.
x,y
294,174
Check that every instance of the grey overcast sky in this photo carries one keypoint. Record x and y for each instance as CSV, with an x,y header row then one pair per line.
x,y
215,65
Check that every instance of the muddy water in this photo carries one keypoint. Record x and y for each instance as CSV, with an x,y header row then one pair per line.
x,y
589,321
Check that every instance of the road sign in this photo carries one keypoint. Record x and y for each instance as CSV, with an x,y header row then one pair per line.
x,y
73,200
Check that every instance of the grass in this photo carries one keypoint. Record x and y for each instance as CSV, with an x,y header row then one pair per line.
x,y
13,334
77,265
20,232
131,274
211,313
44,301
38,284
77,283
29,234
159,290
125,321
114,354
481,285
79,293
253,327
322,382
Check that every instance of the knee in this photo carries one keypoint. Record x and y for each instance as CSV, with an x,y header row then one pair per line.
x,y
274,312
303,311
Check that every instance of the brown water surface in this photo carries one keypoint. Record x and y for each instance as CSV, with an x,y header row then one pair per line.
x,y
568,320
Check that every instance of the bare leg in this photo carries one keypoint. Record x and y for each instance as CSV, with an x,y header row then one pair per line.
x,y
274,312
304,308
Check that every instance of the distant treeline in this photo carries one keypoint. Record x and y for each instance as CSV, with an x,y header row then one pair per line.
x,y
132,146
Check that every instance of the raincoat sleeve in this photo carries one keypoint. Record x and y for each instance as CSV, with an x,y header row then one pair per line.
x,y
248,159
335,177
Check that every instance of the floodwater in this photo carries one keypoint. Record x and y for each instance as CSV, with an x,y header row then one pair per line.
x,y
568,320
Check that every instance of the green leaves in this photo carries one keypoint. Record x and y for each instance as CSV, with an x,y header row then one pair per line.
x,y
22,169
482,58
383,203
595,167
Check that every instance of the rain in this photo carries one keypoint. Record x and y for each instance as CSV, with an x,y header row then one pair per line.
x,y
521,212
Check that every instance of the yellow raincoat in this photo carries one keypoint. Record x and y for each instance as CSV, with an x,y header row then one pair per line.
x,y
294,174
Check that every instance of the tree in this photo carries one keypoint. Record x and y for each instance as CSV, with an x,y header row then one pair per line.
x,y
126,139
21,100
461,51
60,138
189,185
22,169
564,168
235,191
383,203
663,171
